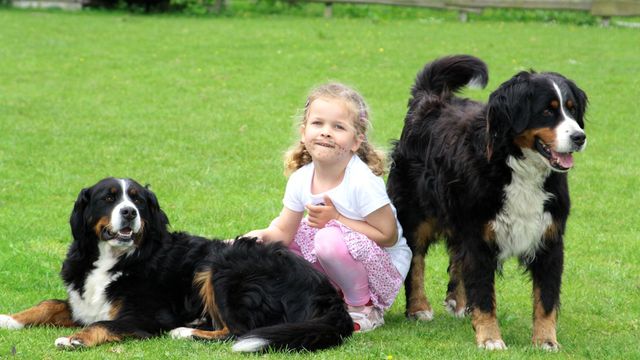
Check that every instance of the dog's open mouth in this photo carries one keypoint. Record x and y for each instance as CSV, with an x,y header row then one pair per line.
x,y
122,237
558,161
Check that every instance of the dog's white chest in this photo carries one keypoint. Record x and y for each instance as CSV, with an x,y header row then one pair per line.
x,y
521,223
92,305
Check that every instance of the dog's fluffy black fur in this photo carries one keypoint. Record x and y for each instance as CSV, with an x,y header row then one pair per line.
x,y
128,276
491,179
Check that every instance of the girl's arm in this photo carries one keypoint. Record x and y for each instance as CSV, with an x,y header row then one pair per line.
x,y
379,226
282,229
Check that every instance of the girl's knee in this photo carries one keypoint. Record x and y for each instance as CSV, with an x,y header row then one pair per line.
x,y
329,242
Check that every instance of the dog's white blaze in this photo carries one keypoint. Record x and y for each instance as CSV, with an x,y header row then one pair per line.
x,y
567,127
92,305
116,218
522,221
250,345
8,322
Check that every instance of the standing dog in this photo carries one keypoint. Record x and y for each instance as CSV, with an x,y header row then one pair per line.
x,y
127,276
491,179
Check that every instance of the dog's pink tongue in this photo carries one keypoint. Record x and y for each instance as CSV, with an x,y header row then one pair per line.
x,y
565,160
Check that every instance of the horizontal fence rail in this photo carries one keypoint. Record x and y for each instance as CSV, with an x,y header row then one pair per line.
x,y
603,8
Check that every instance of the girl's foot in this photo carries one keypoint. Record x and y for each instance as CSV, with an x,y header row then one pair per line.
x,y
366,317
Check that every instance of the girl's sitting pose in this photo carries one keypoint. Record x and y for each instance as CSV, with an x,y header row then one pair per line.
x,y
351,232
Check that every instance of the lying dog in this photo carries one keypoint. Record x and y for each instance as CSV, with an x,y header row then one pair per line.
x,y
127,276
491,179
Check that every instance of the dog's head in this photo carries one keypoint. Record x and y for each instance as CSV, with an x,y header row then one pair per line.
x,y
542,113
117,212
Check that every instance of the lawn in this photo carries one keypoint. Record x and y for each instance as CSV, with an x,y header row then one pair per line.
x,y
203,108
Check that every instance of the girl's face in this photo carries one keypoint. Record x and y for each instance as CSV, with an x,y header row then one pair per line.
x,y
328,133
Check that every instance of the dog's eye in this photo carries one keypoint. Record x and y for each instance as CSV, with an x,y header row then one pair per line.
x,y
109,198
138,201
547,112
572,111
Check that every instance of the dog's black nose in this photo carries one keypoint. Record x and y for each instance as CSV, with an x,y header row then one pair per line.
x,y
578,138
129,213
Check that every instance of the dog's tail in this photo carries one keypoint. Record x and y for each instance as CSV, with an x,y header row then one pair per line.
x,y
448,75
324,331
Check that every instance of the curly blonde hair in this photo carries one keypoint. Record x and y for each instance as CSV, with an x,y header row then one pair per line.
x,y
298,156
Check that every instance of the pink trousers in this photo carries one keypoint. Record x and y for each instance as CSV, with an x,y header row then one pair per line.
x,y
356,265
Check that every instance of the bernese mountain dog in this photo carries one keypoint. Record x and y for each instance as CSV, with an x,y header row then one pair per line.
x,y
492,180
126,275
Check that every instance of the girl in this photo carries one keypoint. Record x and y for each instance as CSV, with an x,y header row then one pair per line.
x,y
351,232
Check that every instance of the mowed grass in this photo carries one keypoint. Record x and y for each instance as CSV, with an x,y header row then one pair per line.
x,y
203,108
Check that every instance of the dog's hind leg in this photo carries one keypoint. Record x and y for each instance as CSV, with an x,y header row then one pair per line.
x,y
456,300
418,306
48,312
189,333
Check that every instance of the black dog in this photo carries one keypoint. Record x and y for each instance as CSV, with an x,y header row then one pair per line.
x,y
492,180
127,276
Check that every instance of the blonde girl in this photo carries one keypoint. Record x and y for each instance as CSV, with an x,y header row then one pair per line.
x,y
350,231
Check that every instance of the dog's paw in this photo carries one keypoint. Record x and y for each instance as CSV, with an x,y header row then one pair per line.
x,y
68,343
181,333
451,306
8,322
423,315
547,345
493,345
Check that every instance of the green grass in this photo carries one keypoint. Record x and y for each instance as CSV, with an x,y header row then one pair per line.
x,y
202,109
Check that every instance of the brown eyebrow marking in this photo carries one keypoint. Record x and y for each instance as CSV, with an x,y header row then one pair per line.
x,y
555,104
569,104
113,190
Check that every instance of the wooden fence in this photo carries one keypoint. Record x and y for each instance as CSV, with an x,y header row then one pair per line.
x,y
603,8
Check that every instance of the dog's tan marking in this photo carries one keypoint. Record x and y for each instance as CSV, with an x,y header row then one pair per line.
x,y
552,232
526,139
211,335
486,326
424,235
100,225
48,312
116,306
544,324
418,301
488,234
555,104
570,104
203,281
95,335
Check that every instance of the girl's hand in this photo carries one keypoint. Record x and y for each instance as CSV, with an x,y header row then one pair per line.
x,y
256,234
320,215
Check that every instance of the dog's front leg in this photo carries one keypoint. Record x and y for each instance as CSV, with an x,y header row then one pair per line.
x,y
49,312
108,331
479,282
546,272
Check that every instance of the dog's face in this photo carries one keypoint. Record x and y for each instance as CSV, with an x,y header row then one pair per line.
x,y
541,113
114,211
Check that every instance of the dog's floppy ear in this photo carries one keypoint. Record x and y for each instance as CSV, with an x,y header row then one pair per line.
x,y
154,207
581,102
508,110
77,220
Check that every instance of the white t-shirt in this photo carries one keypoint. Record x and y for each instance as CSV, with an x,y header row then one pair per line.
x,y
359,194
